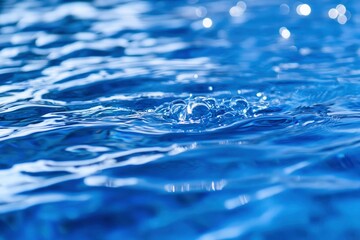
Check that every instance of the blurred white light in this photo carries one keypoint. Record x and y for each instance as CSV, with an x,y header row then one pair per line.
x,y
342,19
305,51
333,13
284,9
236,11
207,22
303,9
284,33
241,5
341,9
201,12
339,13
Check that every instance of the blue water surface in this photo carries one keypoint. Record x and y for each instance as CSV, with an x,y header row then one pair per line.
x,y
198,119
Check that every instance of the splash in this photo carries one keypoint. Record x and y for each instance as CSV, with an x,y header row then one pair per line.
x,y
200,109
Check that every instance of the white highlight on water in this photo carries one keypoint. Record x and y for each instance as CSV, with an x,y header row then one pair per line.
x,y
207,22
303,9
284,33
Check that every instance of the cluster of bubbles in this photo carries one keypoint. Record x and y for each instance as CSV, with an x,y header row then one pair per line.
x,y
203,109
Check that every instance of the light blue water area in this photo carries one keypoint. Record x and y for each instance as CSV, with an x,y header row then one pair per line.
x,y
195,119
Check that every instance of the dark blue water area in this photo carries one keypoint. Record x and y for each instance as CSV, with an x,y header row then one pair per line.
x,y
195,119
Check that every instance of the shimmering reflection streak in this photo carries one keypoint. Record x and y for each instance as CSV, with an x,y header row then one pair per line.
x,y
18,181
202,186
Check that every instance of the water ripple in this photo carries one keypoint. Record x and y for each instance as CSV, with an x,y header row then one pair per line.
x,y
198,119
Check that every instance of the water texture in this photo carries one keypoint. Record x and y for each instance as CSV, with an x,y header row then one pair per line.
x,y
190,119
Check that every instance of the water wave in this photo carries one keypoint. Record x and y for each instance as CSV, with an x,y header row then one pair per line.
x,y
179,119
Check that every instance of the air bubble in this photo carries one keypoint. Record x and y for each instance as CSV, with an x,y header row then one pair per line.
x,y
198,110
239,105
202,109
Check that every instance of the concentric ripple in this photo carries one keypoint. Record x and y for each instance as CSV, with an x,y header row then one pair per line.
x,y
190,119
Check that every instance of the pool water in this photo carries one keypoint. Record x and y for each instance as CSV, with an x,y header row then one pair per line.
x,y
192,119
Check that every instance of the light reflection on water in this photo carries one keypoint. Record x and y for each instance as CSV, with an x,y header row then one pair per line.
x,y
196,119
